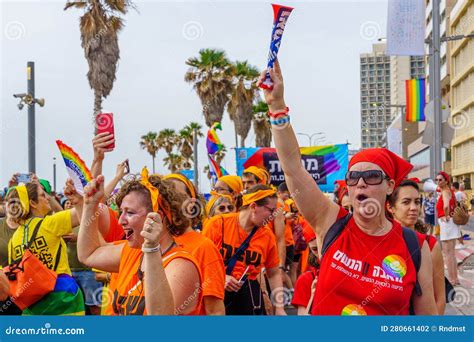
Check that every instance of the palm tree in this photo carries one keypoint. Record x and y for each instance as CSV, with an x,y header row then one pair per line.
x,y
174,162
186,140
99,26
211,76
243,93
261,125
148,142
167,140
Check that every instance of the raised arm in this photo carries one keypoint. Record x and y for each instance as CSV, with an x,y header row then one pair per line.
x,y
316,208
119,174
91,249
99,143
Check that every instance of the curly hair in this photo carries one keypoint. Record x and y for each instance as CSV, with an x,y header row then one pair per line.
x,y
194,210
172,200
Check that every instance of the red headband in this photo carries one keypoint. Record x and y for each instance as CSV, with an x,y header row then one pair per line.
x,y
394,167
445,176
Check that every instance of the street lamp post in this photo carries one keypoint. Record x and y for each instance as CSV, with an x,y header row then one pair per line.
x,y
30,100
310,137
54,174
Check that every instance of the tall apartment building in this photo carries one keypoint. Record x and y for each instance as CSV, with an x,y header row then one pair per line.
x,y
374,90
462,92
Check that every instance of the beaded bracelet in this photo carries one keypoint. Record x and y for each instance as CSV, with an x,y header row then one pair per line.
x,y
277,115
280,121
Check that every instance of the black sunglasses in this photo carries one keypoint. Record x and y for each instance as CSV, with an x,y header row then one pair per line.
x,y
228,207
370,177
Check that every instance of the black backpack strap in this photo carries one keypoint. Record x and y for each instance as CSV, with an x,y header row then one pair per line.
x,y
333,232
230,264
411,240
58,256
35,232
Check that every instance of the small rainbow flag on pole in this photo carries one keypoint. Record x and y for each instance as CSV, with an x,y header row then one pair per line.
x,y
217,171
416,99
213,143
75,167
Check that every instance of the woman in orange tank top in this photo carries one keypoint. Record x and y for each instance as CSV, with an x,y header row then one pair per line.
x,y
155,276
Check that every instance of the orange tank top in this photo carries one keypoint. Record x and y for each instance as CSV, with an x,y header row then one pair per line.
x,y
129,293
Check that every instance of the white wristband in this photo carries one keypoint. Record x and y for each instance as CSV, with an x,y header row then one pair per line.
x,y
152,249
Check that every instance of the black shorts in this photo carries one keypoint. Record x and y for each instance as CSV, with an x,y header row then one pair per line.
x,y
290,254
248,301
297,257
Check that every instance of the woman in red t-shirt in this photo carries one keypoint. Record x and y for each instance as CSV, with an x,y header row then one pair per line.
x,y
449,231
367,270
405,205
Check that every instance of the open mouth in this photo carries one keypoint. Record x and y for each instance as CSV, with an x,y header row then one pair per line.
x,y
128,233
361,197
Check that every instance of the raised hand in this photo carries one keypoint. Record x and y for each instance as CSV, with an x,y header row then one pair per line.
x,y
152,230
121,170
94,191
100,142
71,193
274,97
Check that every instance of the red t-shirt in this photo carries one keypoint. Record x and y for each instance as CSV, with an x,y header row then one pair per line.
x,y
362,274
116,232
302,292
440,205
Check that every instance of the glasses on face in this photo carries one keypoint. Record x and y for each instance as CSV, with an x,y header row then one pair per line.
x,y
271,210
223,208
370,177
439,179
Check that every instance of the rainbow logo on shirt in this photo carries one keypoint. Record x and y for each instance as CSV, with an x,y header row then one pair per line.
x,y
353,310
394,266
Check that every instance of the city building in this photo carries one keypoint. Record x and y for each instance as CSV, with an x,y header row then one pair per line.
x,y
462,92
374,89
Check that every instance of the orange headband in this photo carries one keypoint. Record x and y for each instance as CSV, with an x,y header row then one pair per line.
x,y
256,196
184,180
156,201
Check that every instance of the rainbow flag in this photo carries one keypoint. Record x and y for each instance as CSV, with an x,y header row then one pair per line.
x,y
416,99
217,171
75,167
213,143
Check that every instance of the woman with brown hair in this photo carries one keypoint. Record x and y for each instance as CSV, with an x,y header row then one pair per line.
x,y
405,205
155,276
247,246
206,253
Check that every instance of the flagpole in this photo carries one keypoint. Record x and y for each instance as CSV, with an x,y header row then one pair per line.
x,y
195,152
435,86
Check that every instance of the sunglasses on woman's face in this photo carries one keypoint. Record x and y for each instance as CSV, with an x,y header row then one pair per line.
x,y
229,207
439,179
370,177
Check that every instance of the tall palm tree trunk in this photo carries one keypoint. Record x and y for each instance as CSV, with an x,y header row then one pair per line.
x,y
153,157
242,141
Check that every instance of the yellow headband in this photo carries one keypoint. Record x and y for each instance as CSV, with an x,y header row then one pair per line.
x,y
213,201
184,180
233,182
154,194
256,196
261,174
24,199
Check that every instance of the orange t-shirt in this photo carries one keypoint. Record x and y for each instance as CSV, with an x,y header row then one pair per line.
x,y
129,294
108,310
209,260
288,227
228,236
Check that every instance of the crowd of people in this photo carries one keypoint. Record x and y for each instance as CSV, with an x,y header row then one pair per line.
x,y
150,244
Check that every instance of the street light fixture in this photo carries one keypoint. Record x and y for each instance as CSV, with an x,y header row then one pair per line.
x,y
310,137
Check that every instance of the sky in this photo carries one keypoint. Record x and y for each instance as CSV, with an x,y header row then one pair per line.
x,y
319,57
